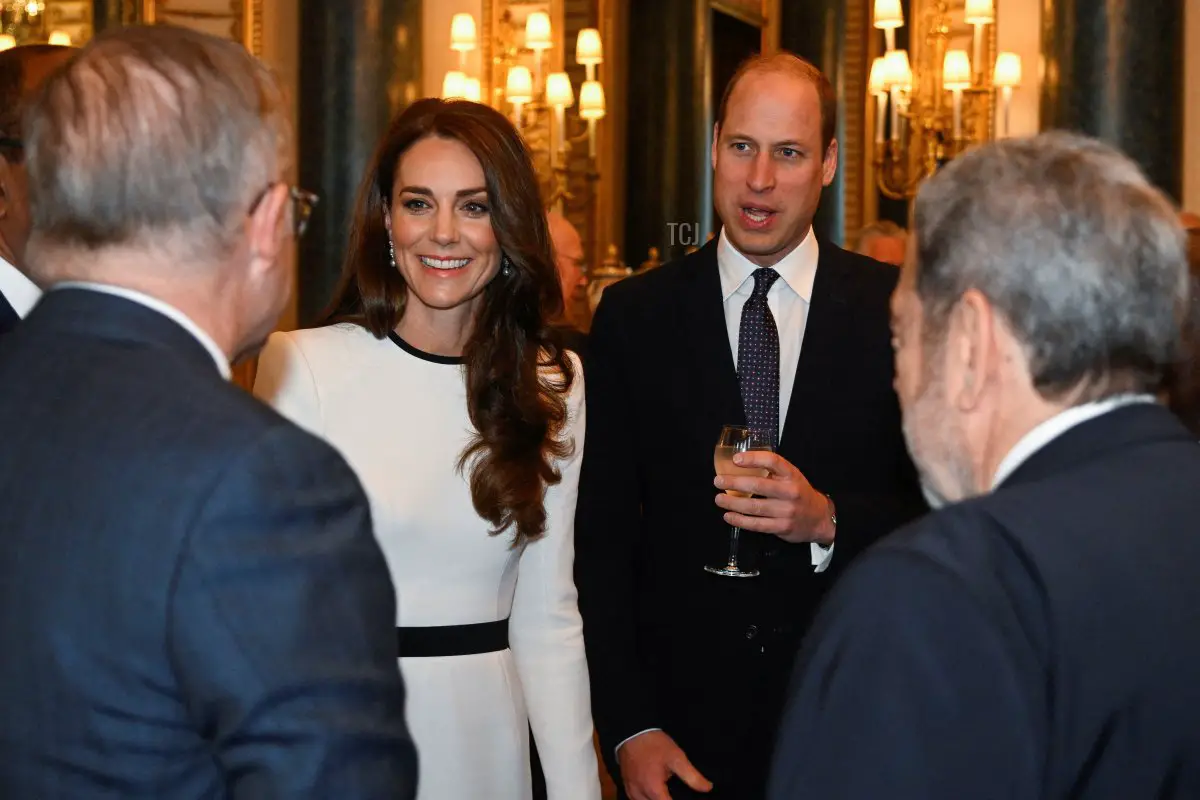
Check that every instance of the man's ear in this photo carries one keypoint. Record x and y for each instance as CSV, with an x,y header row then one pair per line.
x,y
974,355
266,223
830,163
716,139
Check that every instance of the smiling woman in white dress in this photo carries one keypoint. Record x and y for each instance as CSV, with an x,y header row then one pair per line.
x,y
440,380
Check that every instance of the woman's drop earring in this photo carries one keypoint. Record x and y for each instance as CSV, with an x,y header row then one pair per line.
x,y
391,252
506,266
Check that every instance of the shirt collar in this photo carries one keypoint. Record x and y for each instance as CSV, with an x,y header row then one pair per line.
x,y
798,269
167,310
1042,434
22,294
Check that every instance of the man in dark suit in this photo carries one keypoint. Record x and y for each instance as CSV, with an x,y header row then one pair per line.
x,y
192,601
764,326
22,70
1041,637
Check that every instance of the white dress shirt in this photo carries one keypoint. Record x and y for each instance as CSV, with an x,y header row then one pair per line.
x,y
789,299
22,294
1044,433
169,311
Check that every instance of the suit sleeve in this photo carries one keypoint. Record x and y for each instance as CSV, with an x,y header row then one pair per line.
x,y
607,524
285,381
910,687
874,506
547,635
864,517
282,630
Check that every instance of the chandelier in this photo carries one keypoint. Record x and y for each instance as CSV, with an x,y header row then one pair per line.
x,y
932,108
25,22
514,77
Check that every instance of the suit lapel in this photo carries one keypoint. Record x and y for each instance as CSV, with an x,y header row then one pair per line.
x,y
8,316
827,317
702,316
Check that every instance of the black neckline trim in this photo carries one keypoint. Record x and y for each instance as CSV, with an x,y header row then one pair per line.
x,y
421,354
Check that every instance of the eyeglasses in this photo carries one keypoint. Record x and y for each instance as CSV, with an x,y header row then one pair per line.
x,y
303,202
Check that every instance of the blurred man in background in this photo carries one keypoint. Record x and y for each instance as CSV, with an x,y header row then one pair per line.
x,y
883,241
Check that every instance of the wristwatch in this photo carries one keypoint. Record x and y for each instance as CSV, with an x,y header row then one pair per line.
x,y
832,519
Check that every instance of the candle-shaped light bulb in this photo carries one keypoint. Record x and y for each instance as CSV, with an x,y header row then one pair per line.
x,y
537,31
1008,70
1006,77
877,86
956,70
591,100
589,49
473,91
462,33
897,71
888,14
956,76
558,90
519,86
454,85
591,108
980,12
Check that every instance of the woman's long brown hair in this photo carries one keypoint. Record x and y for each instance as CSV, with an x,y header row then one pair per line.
x,y
517,372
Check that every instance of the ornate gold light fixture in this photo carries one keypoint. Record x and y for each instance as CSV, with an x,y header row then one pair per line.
x,y
515,78
932,108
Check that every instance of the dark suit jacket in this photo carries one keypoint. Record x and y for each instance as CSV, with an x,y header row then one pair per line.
x,y
192,601
706,658
1039,642
8,316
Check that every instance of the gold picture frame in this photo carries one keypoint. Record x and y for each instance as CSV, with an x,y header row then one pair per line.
x,y
239,20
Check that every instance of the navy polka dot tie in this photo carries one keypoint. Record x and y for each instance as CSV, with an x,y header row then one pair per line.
x,y
758,357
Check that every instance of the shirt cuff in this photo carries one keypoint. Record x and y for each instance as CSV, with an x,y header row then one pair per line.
x,y
617,749
821,556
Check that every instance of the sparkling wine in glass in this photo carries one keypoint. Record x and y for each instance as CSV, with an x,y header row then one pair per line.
x,y
737,439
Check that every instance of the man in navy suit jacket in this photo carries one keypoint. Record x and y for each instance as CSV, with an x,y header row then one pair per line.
x,y
192,601
1039,638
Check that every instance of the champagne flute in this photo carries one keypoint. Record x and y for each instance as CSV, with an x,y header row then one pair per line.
x,y
737,439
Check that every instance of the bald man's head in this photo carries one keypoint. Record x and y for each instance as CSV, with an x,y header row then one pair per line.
x,y
22,71
568,254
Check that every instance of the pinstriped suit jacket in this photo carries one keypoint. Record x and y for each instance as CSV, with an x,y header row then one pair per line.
x,y
192,601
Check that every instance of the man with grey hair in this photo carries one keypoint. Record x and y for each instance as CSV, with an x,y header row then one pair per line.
x,y
192,601
1038,637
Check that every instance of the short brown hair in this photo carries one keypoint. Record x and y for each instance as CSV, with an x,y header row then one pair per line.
x,y
156,135
516,412
791,64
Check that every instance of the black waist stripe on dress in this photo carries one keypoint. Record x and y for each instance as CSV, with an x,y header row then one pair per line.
x,y
453,640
